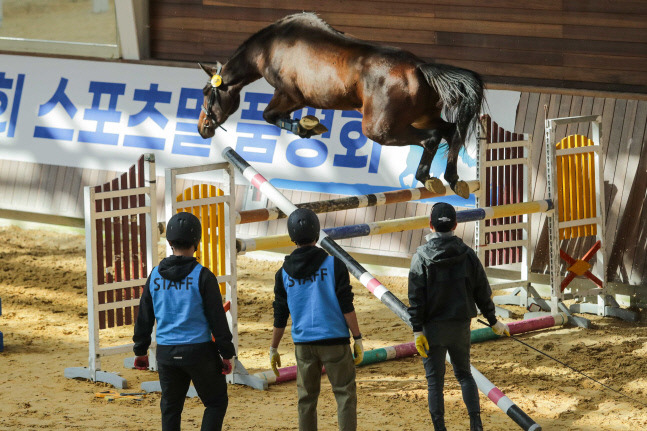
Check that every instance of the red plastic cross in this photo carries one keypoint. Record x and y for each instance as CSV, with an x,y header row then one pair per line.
x,y
572,262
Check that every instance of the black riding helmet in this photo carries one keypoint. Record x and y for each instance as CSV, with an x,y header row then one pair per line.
x,y
184,228
303,226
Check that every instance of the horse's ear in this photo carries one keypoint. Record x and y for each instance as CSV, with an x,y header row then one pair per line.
x,y
208,70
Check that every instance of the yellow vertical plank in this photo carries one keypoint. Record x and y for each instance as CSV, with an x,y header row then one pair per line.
x,y
204,220
194,193
221,241
213,234
568,161
187,197
572,188
580,184
561,179
593,186
586,209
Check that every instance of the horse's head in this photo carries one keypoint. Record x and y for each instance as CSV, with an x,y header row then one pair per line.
x,y
219,102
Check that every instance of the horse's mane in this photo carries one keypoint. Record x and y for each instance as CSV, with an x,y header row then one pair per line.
x,y
306,18
301,18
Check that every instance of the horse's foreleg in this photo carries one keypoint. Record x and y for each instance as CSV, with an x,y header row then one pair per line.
x,y
278,113
305,127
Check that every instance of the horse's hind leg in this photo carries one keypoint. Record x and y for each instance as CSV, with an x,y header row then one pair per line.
x,y
397,135
461,188
449,132
422,173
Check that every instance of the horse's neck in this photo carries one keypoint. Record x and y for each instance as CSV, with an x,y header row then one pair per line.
x,y
240,70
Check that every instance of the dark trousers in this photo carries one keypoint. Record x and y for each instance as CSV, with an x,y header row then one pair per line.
x,y
453,338
209,383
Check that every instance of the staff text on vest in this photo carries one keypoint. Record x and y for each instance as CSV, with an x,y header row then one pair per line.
x,y
168,284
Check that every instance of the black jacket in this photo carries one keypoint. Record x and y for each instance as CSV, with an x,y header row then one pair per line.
x,y
176,268
446,280
302,263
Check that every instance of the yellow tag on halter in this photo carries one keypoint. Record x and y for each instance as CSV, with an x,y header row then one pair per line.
x,y
216,81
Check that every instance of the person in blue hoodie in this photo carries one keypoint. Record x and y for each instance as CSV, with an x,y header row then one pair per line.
x,y
446,283
184,298
314,288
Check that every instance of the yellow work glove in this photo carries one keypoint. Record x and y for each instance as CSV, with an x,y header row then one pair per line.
x,y
421,343
275,360
500,328
358,350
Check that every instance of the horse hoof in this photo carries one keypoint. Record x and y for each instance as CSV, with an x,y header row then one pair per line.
x,y
434,185
309,122
319,129
462,189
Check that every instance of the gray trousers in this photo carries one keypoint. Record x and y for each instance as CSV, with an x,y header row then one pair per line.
x,y
340,370
454,338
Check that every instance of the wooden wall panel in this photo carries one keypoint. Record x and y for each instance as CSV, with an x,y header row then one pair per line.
x,y
562,43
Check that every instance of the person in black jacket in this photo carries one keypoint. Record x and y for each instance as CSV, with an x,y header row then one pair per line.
x,y
184,298
315,289
446,283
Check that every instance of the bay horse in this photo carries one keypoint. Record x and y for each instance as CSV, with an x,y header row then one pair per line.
x,y
400,97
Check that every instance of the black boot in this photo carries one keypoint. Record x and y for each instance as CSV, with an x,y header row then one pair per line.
x,y
439,423
475,422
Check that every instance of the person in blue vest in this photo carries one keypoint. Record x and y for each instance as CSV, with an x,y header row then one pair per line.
x,y
446,283
314,288
184,298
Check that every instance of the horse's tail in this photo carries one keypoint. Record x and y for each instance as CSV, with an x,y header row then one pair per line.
x,y
460,92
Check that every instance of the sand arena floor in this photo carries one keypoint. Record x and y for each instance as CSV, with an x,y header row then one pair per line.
x,y
44,321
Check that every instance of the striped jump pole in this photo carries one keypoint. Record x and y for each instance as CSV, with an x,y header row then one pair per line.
x,y
409,349
397,225
328,244
358,271
370,357
502,401
484,334
349,202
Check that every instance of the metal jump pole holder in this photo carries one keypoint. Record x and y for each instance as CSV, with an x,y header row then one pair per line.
x,y
504,170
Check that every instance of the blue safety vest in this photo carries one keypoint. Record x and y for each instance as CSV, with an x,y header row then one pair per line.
x,y
314,307
179,310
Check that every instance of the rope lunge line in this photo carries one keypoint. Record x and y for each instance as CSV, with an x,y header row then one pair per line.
x,y
568,366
